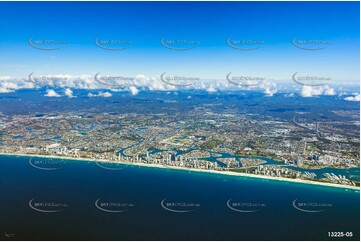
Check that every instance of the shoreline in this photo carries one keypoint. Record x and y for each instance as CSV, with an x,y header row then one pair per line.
x,y
229,173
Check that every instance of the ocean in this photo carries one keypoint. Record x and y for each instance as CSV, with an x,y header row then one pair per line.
x,y
53,199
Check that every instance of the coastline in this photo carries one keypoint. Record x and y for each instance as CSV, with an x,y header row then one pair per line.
x,y
229,173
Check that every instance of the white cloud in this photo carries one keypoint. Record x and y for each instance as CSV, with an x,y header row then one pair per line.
x,y
5,90
342,94
51,93
141,82
355,98
310,91
330,92
133,90
107,94
270,92
211,89
8,84
269,88
100,94
69,93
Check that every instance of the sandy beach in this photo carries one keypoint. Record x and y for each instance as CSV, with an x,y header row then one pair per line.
x,y
229,173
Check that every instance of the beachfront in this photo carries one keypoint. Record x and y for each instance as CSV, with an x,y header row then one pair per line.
x,y
229,173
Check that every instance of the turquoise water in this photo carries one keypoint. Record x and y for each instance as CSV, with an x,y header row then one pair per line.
x,y
270,215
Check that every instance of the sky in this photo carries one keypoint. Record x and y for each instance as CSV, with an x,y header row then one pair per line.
x,y
272,26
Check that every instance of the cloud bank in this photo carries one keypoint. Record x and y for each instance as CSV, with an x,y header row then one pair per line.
x,y
355,98
143,83
311,91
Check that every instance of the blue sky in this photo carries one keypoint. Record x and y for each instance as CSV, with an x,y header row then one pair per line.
x,y
275,23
